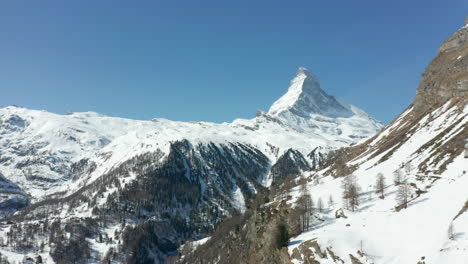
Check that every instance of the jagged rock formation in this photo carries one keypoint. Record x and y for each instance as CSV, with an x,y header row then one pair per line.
x,y
291,163
317,156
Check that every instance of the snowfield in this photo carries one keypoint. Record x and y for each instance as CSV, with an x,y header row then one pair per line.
x,y
392,237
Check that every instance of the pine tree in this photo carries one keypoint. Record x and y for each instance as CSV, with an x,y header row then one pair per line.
x,y
380,185
282,235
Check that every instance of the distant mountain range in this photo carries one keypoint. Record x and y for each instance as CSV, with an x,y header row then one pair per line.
x,y
175,180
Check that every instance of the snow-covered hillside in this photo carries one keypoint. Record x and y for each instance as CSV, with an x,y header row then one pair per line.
x,y
386,236
379,229
420,216
127,180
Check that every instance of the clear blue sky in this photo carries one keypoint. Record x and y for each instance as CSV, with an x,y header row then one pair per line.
x,y
215,60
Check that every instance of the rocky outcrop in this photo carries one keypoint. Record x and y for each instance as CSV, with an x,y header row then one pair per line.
x,y
446,76
317,156
247,239
291,163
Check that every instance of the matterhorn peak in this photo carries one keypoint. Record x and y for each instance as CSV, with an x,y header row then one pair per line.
x,y
305,97
307,81
305,72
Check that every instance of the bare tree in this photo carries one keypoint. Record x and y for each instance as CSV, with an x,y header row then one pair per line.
x,y
320,205
398,177
403,194
330,201
450,232
312,205
305,204
351,191
380,185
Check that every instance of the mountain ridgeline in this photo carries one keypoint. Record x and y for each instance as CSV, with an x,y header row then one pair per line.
x,y
87,188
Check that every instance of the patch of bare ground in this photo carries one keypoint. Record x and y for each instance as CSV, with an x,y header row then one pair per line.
x,y
444,152
463,210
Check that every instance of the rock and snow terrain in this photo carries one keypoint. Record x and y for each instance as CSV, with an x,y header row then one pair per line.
x,y
383,235
426,146
40,150
432,228
379,229
181,177
342,213
306,107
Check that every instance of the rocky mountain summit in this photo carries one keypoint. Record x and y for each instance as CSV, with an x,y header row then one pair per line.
x,y
305,98
308,109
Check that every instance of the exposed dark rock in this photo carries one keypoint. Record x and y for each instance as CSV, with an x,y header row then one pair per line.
x,y
292,162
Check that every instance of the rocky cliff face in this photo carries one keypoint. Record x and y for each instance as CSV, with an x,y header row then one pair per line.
x,y
447,74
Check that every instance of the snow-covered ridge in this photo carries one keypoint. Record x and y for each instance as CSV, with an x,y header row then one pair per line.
x,y
39,149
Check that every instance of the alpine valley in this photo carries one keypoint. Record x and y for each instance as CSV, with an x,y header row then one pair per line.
x,y
131,190
89,188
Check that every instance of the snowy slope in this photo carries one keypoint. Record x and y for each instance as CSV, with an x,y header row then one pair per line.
x,y
430,150
427,145
438,193
387,236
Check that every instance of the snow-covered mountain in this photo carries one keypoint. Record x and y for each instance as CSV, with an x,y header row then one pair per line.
x,y
400,197
41,150
181,177
307,108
